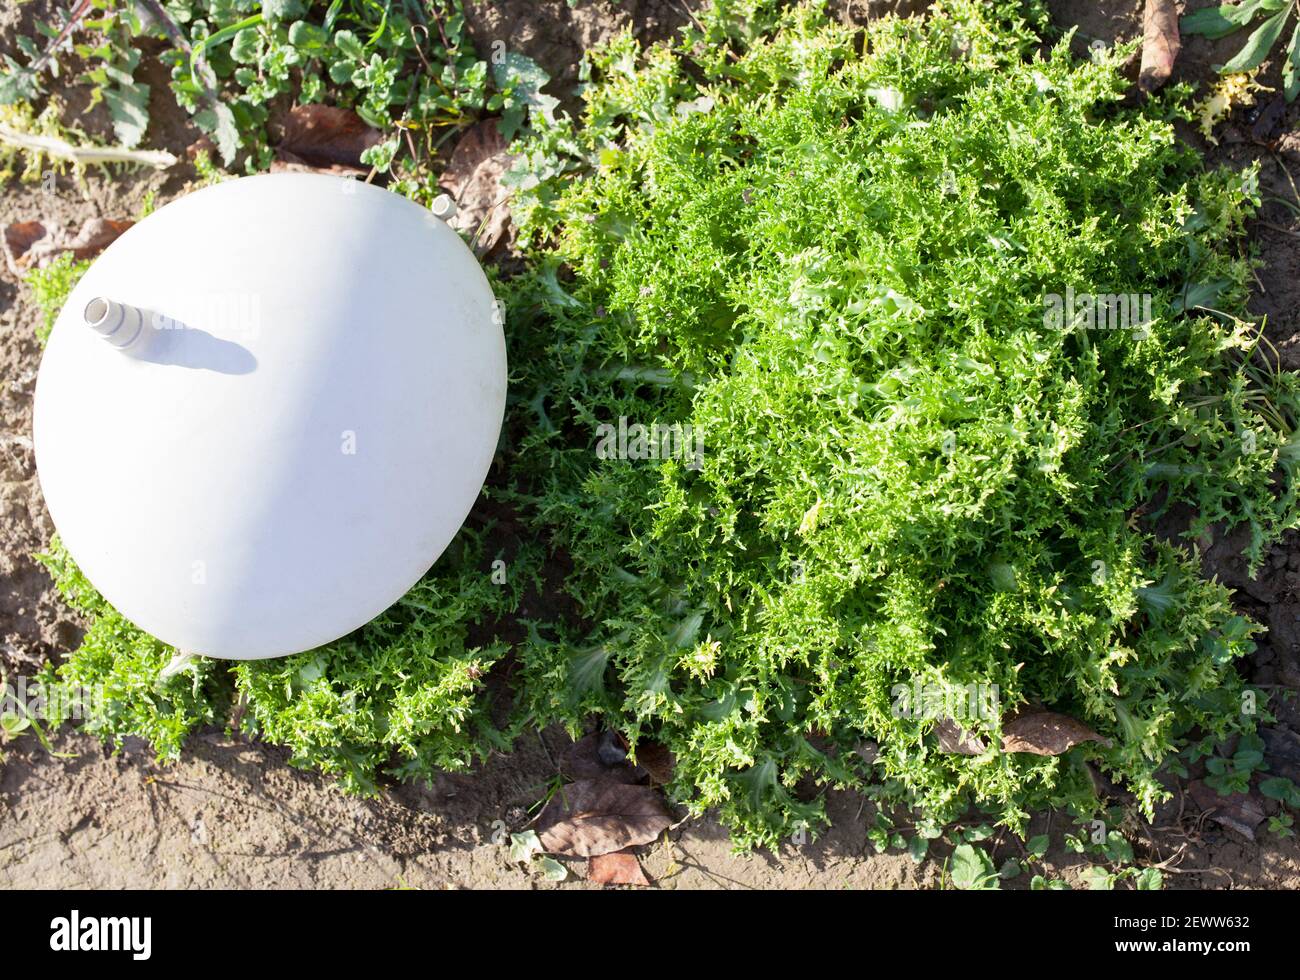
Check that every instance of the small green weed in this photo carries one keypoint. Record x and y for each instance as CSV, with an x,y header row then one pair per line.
x,y
50,287
406,67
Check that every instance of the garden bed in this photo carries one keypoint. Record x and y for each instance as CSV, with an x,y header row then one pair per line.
x,y
451,834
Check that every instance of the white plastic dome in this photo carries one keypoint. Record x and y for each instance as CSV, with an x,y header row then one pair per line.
x,y
267,409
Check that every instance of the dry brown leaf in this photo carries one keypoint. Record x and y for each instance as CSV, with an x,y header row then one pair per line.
x,y
473,179
585,759
1269,119
31,244
96,234
657,760
1045,733
1160,44
18,239
287,163
598,816
953,739
618,868
480,143
326,139
1241,812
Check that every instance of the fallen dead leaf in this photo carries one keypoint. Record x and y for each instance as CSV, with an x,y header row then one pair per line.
x,y
96,234
1045,733
657,760
1268,119
31,244
324,139
1241,812
1160,44
598,816
473,179
618,868
287,163
953,739
588,759
18,239
480,143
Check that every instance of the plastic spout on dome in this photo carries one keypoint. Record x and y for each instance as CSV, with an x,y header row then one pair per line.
x,y
123,326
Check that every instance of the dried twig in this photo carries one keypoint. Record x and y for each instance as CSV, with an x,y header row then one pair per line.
x,y
84,155
74,18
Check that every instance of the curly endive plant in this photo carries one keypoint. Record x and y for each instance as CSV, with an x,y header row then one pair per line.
x,y
844,262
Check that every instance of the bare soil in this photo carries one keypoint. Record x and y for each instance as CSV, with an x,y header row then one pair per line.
x,y
234,813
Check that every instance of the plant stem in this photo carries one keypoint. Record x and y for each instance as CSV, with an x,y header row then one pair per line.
x,y
84,155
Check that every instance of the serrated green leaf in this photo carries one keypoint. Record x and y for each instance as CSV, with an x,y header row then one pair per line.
x,y
1258,44
1150,880
277,11
380,156
1280,788
17,84
587,670
1098,879
524,846
1291,68
352,48
1200,295
245,46
1221,20
1039,883
128,107
552,870
1117,849
918,847
218,121
307,36
972,869
522,79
